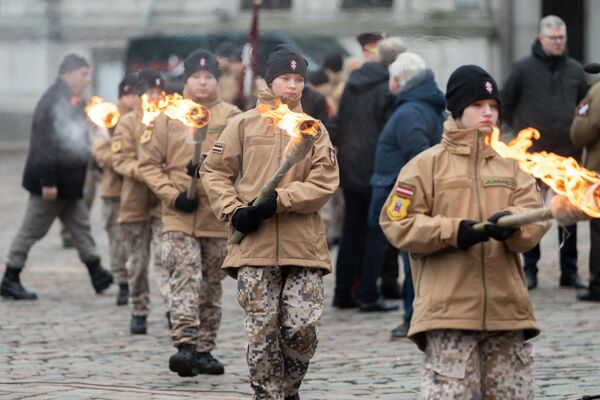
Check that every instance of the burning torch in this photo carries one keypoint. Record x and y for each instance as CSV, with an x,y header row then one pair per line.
x,y
190,113
577,188
102,113
304,131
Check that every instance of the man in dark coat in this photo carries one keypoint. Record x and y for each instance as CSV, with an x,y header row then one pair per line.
x,y
414,126
364,108
54,176
541,91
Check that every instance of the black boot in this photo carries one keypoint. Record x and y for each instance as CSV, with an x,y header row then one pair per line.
x,y
207,364
293,397
377,306
123,294
531,278
138,325
184,361
392,291
11,286
169,324
101,278
572,279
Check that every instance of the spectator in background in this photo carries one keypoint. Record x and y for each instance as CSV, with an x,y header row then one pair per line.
x,y
54,176
415,125
229,56
541,91
336,80
363,111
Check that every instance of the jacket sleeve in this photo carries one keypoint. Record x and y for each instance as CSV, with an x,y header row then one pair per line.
x,y
102,155
525,198
418,232
585,129
510,95
322,181
152,156
220,170
125,160
410,133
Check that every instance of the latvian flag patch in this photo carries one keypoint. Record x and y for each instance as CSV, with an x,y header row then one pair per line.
x,y
405,190
218,147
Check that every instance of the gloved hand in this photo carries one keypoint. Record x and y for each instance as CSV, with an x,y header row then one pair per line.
x,y
468,236
497,232
247,219
192,169
182,203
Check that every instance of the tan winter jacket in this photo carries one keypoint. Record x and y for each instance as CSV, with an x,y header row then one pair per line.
x,y
484,287
138,203
585,130
110,184
163,162
243,159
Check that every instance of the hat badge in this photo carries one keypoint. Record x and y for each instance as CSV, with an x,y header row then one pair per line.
x,y
202,62
293,64
157,81
488,87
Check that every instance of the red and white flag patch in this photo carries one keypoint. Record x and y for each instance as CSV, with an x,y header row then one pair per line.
x,y
218,147
332,156
405,190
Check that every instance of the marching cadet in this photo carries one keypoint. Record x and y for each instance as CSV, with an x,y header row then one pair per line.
x,y
194,241
281,261
140,211
110,191
472,313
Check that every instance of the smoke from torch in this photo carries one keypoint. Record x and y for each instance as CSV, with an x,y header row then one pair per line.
x,y
304,131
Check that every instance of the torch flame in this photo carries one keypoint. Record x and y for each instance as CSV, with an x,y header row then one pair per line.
x,y
292,122
562,174
176,107
102,113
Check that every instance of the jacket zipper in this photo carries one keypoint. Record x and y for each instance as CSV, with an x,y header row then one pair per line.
x,y
481,246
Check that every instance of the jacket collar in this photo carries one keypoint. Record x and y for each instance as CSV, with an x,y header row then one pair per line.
x,y
538,52
464,141
208,102
266,96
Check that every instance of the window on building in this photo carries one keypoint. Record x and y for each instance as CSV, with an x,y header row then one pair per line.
x,y
356,4
268,4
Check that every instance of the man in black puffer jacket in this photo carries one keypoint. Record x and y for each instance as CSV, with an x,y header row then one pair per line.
x,y
365,105
541,91
54,176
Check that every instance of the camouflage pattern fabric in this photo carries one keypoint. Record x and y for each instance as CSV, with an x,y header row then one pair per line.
x,y
477,365
195,268
161,273
136,238
282,307
116,247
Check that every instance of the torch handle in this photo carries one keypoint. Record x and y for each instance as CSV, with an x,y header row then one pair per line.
x,y
264,194
515,221
199,135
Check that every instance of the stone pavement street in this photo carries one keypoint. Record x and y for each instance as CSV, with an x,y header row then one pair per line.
x,y
73,344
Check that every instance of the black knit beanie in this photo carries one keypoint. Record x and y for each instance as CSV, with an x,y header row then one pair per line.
x,y
468,84
285,60
200,60
71,62
127,85
148,79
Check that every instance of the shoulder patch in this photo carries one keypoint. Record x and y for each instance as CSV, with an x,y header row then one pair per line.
x,y
146,136
583,109
116,146
405,190
398,207
218,147
500,181
332,156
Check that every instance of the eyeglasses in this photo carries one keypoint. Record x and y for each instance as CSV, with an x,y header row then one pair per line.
x,y
560,38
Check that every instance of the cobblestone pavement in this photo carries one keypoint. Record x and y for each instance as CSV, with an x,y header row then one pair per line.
x,y
73,344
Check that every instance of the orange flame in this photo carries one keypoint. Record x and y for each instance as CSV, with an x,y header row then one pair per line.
x,y
176,107
102,113
562,174
292,122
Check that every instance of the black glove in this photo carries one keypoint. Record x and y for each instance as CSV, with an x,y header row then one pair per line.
x,y
182,203
192,169
247,219
497,232
267,209
468,236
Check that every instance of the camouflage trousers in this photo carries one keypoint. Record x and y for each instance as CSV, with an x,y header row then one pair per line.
x,y
137,238
116,248
282,306
161,273
477,365
195,283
